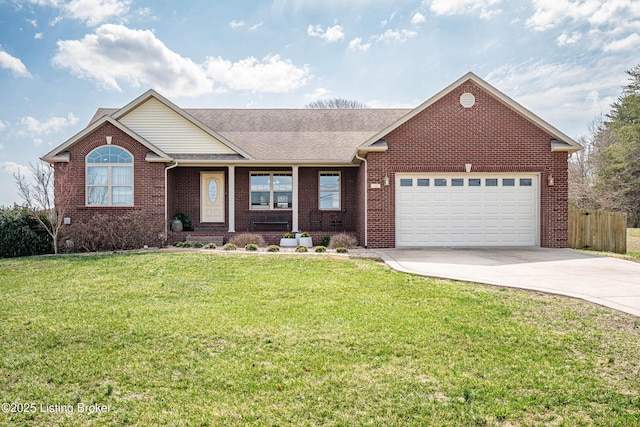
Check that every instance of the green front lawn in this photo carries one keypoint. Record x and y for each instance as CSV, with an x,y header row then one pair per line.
x,y
194,338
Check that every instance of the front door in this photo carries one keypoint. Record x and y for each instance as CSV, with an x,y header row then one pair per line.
x,y
212,197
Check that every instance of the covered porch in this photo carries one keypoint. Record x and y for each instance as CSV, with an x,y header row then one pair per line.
x,y
223,201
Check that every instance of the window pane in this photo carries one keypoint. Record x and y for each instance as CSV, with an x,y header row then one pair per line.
x,y
97,196
491,182
282,200
525,182
406,182
423,182
474,182
121,175
282,182
122,196
260,200
440,182
260,182
508,182
97,175
457,182
330,200
109,154
329,182
212,191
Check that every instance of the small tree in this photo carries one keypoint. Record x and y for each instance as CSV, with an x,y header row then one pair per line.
x,y
38,195
335,103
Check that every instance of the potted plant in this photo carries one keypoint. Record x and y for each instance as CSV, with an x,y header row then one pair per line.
x,y
288,240
305,239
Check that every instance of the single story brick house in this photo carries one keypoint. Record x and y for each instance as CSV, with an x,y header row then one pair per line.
x,y
468,167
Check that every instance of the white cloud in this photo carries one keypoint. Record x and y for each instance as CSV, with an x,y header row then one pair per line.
x,y
319,93
356,44
463,7
272,74
566,39
331,34
418,18
395,35
628,43
15,168
236,24
579,92
14,64
52,125
549,14
117,54
255,26
37,36
94,12
33,22
2,125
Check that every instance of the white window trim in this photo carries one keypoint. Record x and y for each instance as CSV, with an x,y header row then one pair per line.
x,y
87,165
271,190
339,189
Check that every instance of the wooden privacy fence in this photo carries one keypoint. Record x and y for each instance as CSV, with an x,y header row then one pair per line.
x,y
598,230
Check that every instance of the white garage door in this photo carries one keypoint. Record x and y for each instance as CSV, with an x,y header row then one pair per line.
x,y
466,210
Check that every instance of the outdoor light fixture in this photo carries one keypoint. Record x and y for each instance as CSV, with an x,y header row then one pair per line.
x,y
385,181
550,180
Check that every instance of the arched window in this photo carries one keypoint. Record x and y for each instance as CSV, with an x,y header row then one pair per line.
x,y
109,177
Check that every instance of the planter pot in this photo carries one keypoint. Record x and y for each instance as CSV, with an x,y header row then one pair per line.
x,y
287,243
305,241
176,225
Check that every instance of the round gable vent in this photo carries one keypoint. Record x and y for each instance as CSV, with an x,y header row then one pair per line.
x,y
467,100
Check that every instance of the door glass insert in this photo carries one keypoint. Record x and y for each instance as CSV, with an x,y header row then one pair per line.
x,y
213,191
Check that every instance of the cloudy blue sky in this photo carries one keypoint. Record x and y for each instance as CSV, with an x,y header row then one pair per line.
x,y
62,59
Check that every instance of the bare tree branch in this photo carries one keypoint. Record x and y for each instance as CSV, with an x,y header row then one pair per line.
x,y
335,103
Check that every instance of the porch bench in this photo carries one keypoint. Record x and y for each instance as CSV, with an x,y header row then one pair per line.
x,y
270,219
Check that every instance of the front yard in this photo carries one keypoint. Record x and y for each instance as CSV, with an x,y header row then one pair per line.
x,y
193,338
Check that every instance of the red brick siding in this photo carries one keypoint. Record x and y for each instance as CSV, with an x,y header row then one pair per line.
x,y
148,178
490,136
184,193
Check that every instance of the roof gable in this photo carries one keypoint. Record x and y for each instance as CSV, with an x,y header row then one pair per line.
x,y
54,155
171,128
560,141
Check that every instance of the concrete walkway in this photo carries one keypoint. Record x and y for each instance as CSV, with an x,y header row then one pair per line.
x,y
603,280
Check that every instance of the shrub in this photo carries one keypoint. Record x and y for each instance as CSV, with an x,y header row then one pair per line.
x,y
229,247
321,249
343,240
186,245
324,241
342,250
103,232
251,247
210,246
302,248
197,245
244,239
187,225
20,234
273,248
178,244
305,234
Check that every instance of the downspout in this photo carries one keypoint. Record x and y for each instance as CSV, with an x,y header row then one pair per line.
x,y
366,197
166,199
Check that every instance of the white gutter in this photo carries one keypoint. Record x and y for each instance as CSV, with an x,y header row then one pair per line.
x,y
166,199
366,196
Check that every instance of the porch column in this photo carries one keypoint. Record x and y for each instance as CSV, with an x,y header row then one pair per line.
x,y
294,199
232,199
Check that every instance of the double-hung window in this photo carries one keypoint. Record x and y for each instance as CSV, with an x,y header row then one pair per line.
x,y
329,191
271,190
109,177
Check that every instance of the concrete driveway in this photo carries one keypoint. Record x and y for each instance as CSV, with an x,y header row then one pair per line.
x,y
603,280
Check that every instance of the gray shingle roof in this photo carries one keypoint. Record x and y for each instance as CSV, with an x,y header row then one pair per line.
x,y
294,134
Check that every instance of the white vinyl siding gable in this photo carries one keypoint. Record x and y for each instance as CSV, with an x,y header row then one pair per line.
x,y
171,132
